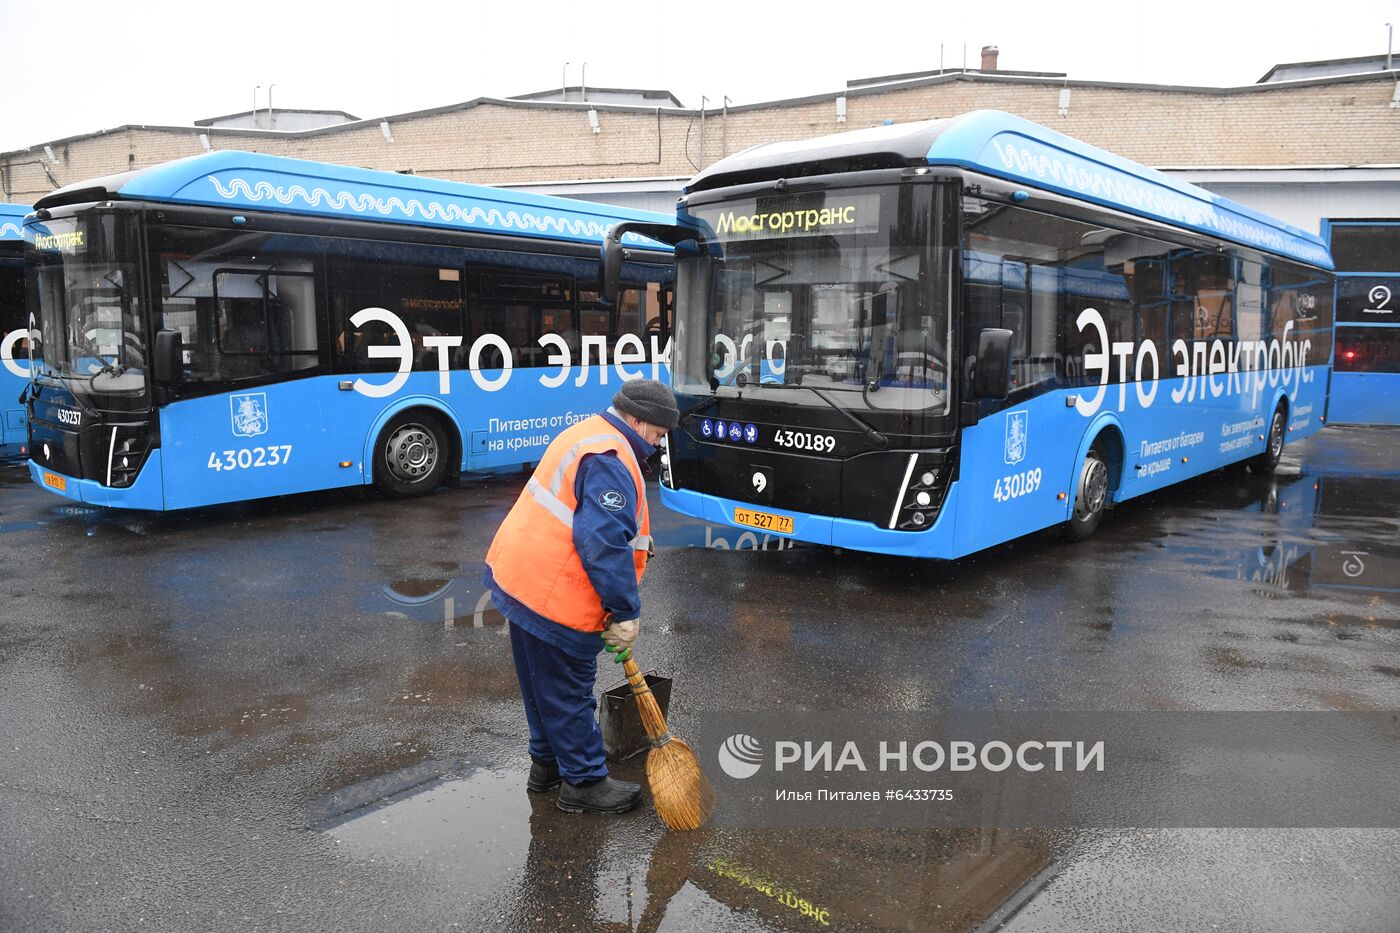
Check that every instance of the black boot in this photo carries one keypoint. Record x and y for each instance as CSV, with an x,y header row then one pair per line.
x,y
606,796
542,777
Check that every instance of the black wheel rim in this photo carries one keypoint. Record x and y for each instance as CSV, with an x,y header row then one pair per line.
x,y
411,453
1093,490
1276,437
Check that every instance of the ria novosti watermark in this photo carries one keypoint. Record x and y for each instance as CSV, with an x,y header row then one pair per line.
x,y
1054,769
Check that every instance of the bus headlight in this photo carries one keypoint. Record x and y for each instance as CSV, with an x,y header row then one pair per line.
x,y
919,506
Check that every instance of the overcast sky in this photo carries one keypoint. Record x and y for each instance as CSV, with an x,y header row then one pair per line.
x,y
79,66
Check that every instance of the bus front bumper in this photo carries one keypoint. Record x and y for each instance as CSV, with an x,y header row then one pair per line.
x,y
144,493
934,541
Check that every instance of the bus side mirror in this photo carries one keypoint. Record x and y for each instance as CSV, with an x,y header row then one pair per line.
x,y
614,253
991,378
168,363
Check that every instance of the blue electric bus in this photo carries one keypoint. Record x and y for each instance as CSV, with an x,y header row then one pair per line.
x,y
1366,367
234,326
14,331
930,338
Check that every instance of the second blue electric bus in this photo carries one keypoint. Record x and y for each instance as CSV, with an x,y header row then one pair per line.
x,y
1366,367
14,331
234,326
930,338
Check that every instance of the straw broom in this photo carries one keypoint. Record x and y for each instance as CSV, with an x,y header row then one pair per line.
x,y
682,795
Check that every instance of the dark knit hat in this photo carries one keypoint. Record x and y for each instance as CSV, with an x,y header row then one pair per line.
x,y
649,400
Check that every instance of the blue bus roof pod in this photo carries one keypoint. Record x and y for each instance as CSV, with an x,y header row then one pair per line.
x,y
991,142
1018,150
254,181
12,221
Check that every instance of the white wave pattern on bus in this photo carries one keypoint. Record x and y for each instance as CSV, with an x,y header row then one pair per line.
x,y
9,230
366,203
1164,202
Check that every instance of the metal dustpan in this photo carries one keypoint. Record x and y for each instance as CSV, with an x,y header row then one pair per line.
x,y
621,724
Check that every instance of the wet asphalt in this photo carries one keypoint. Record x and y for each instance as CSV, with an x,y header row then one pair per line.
x,y
301,714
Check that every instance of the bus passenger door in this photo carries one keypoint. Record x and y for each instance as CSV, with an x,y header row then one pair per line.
x,y
247,419
1011,456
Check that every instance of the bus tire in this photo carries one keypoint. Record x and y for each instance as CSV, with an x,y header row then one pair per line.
x,y
1090,495
1267,462
410,455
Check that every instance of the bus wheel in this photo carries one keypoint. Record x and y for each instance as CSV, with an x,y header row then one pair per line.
x,y
1090,495
410,456
1267,462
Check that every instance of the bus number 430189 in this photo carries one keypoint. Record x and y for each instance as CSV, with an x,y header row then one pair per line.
x,y
1017,485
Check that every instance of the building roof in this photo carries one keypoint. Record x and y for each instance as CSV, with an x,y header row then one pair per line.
x,y
1017,150
577,94
211,121
933,73
1328,68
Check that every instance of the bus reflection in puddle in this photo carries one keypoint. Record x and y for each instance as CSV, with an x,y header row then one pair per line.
x,y
478,829
463,602
1313,513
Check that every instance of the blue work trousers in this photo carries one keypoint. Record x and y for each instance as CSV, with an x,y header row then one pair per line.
x,y
558,692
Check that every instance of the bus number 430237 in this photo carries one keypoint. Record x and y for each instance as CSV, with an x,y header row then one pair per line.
x,y
250,458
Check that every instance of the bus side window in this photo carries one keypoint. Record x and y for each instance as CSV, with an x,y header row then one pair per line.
x,y
420,285
266,319
646,312
520,308
595,319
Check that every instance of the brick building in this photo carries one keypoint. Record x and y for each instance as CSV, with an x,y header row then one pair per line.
x,y
1290,127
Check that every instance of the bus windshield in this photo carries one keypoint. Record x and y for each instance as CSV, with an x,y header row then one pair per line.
x,y
87,302
847,291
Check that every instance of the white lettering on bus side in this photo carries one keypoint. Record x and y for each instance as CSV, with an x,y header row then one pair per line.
x,y
474,361
659,355
1206,368
629,356
404,351
1091,318
7,351
442,343
622,356
562,359
600,347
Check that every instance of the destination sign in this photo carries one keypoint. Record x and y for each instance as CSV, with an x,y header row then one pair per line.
x,y
822,214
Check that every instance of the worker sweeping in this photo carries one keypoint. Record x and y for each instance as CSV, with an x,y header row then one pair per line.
x,y
564,570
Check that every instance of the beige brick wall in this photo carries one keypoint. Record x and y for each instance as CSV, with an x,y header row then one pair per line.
x,y
1332,124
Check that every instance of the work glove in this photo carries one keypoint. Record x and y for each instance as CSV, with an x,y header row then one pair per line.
x,y
618,639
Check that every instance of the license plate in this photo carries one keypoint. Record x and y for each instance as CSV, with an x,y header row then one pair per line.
x,y
782,524
57,482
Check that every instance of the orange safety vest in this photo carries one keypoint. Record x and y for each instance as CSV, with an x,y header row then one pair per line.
x,y
532,556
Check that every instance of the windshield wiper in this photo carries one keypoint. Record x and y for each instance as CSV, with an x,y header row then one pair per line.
x,y
77,397
872,436
699,406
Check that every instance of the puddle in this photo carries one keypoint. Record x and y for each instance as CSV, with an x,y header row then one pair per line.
x,y
9,527
442,813
453,603
513,855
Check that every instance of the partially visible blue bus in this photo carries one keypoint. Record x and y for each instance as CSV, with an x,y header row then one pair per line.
x,y
234,326
1366,368
930,338
14,331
